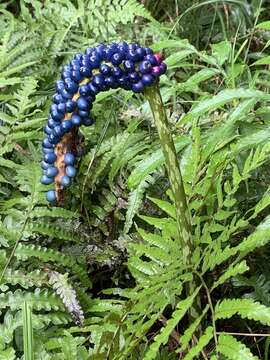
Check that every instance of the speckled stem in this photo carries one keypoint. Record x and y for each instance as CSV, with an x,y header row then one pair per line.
x,y
172,165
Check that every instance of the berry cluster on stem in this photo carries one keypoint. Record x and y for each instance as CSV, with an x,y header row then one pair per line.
x,y
128,66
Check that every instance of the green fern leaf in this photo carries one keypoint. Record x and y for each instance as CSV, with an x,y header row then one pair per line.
x,y
24,252
187,336
67,294
163,336
245,308
233,349
50,230
38,300
25,280
54,212
167,207
148,165
231,272
203,341
135,199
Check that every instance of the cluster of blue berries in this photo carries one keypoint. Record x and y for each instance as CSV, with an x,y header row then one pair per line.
x,y
128,66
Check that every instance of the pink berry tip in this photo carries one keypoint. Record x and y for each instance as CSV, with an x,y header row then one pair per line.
x,y
159,57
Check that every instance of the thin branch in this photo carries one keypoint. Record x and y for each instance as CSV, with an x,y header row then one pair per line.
x,y
242,334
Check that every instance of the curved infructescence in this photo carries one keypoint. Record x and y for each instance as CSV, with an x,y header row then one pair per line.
x,y
104,67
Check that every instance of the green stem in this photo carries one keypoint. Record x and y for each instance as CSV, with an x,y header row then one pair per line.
x,y
172,165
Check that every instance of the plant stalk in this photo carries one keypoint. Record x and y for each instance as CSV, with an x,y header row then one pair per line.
x,y
173,169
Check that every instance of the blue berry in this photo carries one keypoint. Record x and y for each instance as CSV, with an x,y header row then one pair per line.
x,y
145,67
92,89
51,172
66,94
70,171
140,52
100,50
47,151
88,51
148,79
83,114
66,126
129,65
148,51
57,116
45,180
105,69
52,123
84,90
123,80
66,74
75,62
58,98
138,87
58,131
98,80
117,58
117,71
75,67
132,47
71,86
82,103
61,108
47,130
85,71
76,120
69,159
65,181
59,85
53,107
85,61
151,59
88,121
45,165
47,144
132,55
94,61
163,68
50,158
134,76
76,75
54,139
122,45
70,106
110,82
78,57
122,48
51,196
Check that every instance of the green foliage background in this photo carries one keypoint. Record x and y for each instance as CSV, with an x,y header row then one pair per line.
x,y
103,276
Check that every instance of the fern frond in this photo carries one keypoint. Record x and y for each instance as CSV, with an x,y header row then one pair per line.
x,y
107,15
25,280
245,308
162,338
135,199
54,231
53,212
233,349
231,272
24,252
38,300
152,162
203,341
67,294
189,332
